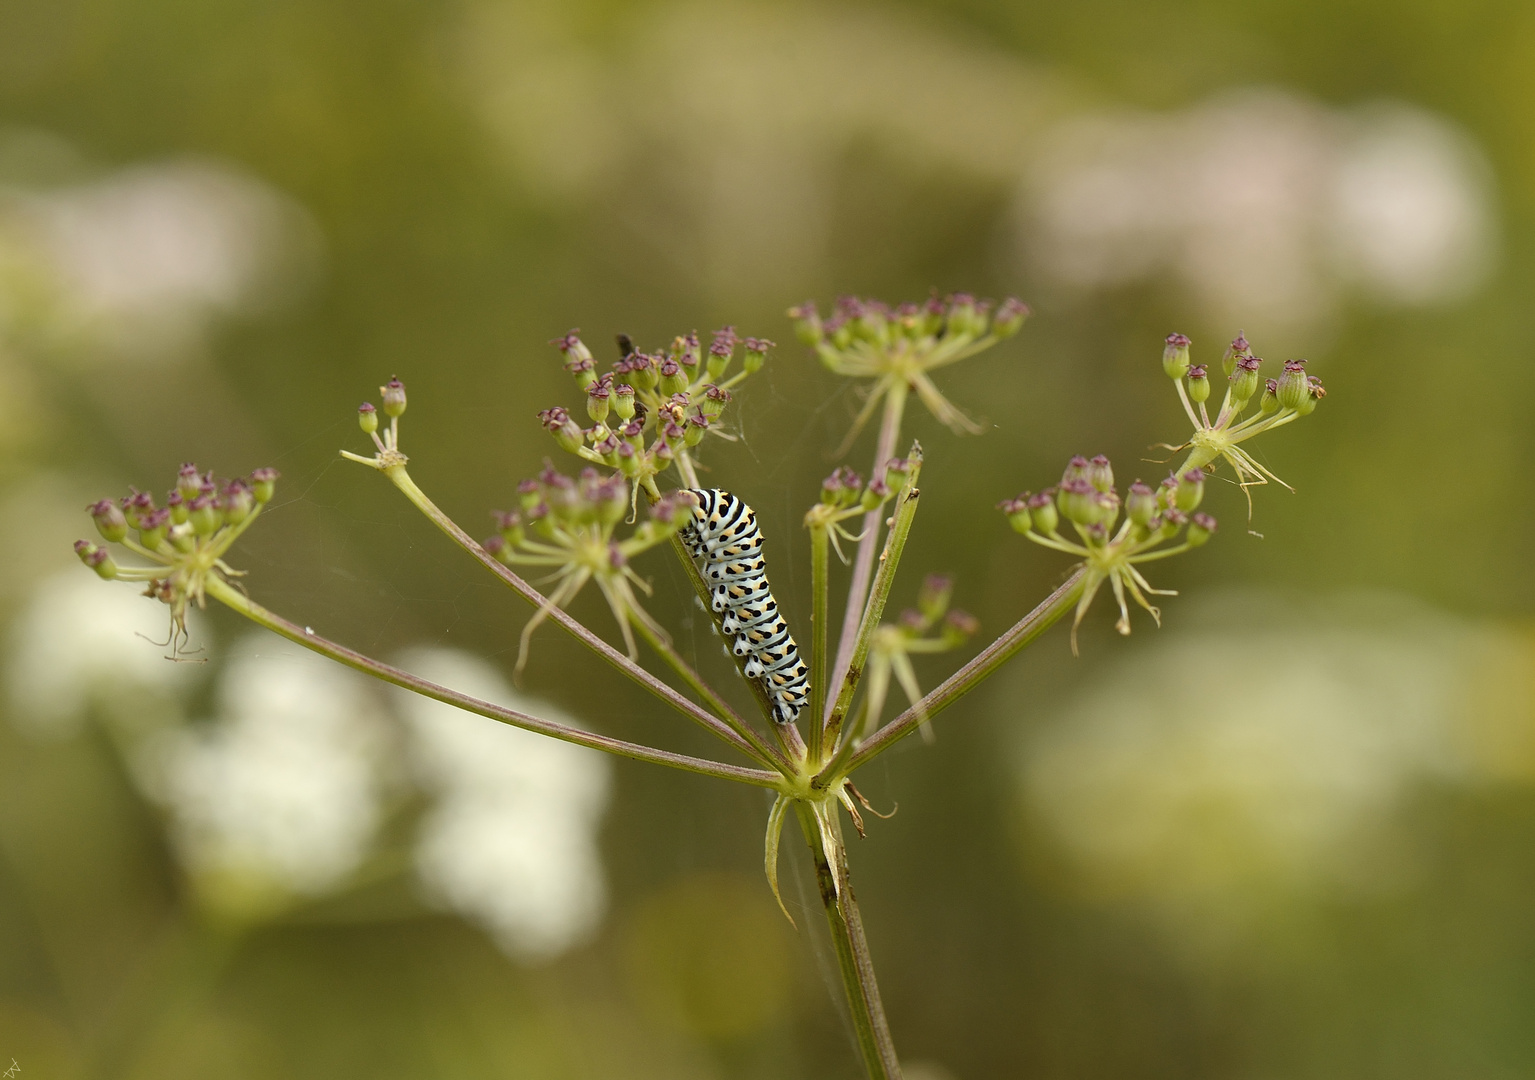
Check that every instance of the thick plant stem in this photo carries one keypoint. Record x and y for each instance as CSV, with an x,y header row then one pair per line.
x,y
863,562
823,833
721,728
1036,622
820,570
230,596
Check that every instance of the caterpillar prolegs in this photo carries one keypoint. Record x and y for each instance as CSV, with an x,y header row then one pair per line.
x,y
725,537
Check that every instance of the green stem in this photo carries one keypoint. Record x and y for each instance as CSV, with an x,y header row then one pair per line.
x,y
964,680
823,833
820,572
692,711
863,562
895,544
227,594
758,747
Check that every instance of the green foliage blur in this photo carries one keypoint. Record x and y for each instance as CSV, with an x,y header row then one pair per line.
x,y
1287,835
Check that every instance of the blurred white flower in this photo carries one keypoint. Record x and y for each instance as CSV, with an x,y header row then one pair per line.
x,y
1219,768
281,789
80,638
139,262
511,841
1263,205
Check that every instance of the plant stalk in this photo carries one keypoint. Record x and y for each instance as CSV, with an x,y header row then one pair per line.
x,y
863,562
823,833
820,572
230,596
956,686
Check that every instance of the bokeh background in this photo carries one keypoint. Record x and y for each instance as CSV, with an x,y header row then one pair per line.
x,y
1289,835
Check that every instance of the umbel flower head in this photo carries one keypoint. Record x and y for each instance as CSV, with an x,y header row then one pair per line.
x,y
1112,547
568,525
1279,401
930,627
185,540
844,495
651,410
899,347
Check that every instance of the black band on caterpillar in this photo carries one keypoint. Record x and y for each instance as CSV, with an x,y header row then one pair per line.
x,y
725,538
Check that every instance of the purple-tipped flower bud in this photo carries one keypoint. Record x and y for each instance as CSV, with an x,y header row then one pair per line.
x,y
1234,352
807,323
686,351
598,400
1269,402
673,381
1316,392
110,522
393,395
1173,519
566,431
509,525
1175,356
642,371
1244,377
1201,528
1293,390
959,627
756,354
1100,473
189,482
623,401
1199,384
1190,490
237,502
1078,501
874,495
1009,317
578,358
1017,511
696,427
203,513
713,403
497,547
136,505
1076,469
177,506
1042,513
152,527
674,509
896,472
97,558
964,317
672,435
934,595
1140,504
263,484
367,417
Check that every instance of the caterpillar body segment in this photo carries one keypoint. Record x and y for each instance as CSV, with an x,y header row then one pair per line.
x,y
724,537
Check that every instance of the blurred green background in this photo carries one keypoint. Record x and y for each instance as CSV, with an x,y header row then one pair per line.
x,y
1291,834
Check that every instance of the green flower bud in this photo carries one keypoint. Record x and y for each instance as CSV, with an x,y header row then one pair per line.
x,y
964,316
686,351
189,482
177,506
204,515
642,372
1076,469
874,495
1316,392
509,526
807,324
695,429
1293,390
959,627
673,381
529,495
263,484
713,401
578,359
153,527
1017,511
110,522
136,505
1140,504
566,431
1201,528
756,354
1190,490
1244,377
1175,356
1234,352
1199,384
237,502
623,401
598,401
1077,501
1100,473
97,558
1270,400
612,496
497,548
367,418
1173,519
896,472
933,597
1042,513
393,393
1009,317
1166,490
